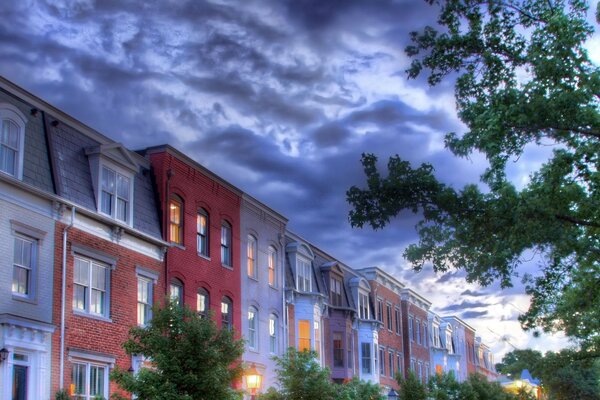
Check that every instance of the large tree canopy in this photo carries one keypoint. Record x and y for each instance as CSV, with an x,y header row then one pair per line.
x,y
523,77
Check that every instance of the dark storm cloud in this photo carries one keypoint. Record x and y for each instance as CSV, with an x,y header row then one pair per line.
x,y
473,314
465,305
472,293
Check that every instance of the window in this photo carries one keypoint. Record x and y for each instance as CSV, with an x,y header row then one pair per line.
x,y
252,328
399,362
90,286
413,364
389,316
420,371
176,292
391,363
251,257
397,320
382,361
24,261
144,300
273,334
375,352
304,275
202,232
365,357
379,310
424,336
89,381
418,332
349,345
338,350
226,313
410,328
226,244
363,306
303,335
202,302
271,263
335,292
426,373
12,140
115,194
176,220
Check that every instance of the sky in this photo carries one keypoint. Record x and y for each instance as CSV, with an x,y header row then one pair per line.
x,y
280,98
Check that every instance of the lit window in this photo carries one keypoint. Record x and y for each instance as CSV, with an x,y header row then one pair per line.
x,y
252,327
202,232
176,292
251,256
336,292
115,194
226,313
175,220
90,286
272,262
89,381
303,335
24,261
365,354
273,334
317,337
202,302
226,244
144,300
304,275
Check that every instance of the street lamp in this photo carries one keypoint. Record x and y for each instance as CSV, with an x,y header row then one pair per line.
x,y
392,395
253,380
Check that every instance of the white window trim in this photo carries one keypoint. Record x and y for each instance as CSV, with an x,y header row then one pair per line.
x,y
272,253
35,236
12,113
150,278
253,345
252,246
122,171
301,264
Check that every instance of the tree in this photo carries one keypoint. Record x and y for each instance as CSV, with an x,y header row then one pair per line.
x,y
412,388
357,389
523,78
517,360
191,358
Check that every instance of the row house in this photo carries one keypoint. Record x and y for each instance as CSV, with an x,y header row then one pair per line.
x,y
93,234
84,247
262,286
385,294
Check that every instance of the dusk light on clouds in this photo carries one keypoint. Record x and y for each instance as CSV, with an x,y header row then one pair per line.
x,y
280,98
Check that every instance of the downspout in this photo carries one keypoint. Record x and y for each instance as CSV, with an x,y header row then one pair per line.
x,y
166,228
63,300
286,320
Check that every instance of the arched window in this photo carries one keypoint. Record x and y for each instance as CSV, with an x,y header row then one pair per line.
x,y
273,334
176,220
252,328
271,265
202,232
176,291
202,302
12,140
226,244
251,256
226,313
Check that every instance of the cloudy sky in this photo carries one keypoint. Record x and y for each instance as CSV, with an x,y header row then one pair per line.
x,y
280,98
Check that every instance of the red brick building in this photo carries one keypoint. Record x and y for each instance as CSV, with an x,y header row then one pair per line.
x,y
415,310
201,220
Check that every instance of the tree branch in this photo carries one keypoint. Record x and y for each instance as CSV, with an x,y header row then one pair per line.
x,y
576,221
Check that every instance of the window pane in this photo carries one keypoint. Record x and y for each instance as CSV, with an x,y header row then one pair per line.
x,y
202,232
78,378
272,334
98,277
108,180
121,210
81,272
175,222
79,300
123,187
96,380
20,280
97,302
202,302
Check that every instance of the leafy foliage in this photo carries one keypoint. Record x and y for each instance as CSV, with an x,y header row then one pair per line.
x,y
564,375
191,358
300,377
411,388
524,78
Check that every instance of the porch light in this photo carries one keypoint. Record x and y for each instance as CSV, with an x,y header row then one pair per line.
x,y
253,380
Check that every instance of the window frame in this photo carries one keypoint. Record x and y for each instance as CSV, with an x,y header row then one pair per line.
x,y
338,352
380,310
335,291
388,310
180,298
273,337
31,270
272,266
87,311
88,365
251,256
252,338
203,238
147,304
115,197
179,225
365,358
303,274
363,306
203,292
304,335
12,114
227,317
381,361
391,363
226,244
397,320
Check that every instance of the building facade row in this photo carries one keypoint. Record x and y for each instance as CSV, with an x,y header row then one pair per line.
x,y
93,234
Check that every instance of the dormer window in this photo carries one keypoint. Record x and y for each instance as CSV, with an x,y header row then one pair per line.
x,y
12,140
304,275
115,196
363,306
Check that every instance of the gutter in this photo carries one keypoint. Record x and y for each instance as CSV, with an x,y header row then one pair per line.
x,y
63,300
